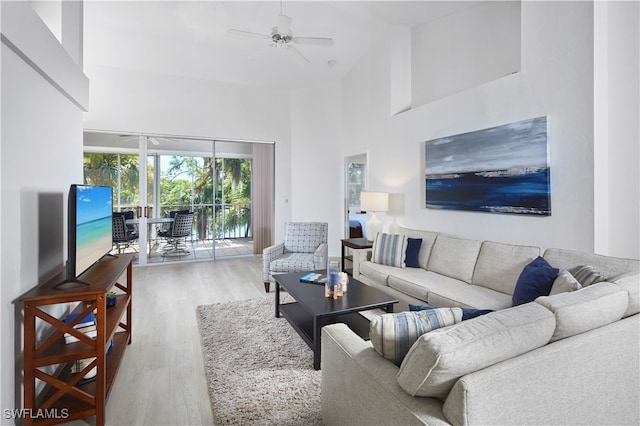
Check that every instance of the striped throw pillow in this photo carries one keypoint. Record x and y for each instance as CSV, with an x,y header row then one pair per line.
x,y
392,335
586,275
389,250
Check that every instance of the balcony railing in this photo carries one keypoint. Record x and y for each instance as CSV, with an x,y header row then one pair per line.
x,y
230,220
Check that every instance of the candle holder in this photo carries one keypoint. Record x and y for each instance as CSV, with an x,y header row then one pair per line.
x,y
332,286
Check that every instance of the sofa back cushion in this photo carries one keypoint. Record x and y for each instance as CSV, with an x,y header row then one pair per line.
x,y
612,267
454,257
585,309
439,358
499,265
428,238
631,283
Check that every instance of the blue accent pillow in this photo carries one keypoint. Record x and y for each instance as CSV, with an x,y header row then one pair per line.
x,y
467,313
412,259
535,280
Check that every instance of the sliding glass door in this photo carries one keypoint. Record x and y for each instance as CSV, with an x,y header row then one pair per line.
x,y
154,177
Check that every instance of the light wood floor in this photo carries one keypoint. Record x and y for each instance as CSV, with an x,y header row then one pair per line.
x,y
161,379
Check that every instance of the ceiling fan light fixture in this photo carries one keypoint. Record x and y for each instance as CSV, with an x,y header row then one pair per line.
x,y
284,25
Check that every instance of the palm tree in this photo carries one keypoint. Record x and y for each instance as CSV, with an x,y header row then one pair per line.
x,y
115,170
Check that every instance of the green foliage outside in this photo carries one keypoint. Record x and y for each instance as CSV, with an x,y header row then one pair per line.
x,y
186,183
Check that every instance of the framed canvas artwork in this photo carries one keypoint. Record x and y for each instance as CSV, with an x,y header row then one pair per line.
x,y
503,169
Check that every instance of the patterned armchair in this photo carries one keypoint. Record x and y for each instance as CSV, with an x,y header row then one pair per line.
x,y
304,249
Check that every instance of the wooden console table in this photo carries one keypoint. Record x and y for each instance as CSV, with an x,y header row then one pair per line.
x,y
49,359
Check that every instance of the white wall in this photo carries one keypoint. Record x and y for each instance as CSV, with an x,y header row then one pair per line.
x,y
316,162
464,50
617,130
40,156
556,80
130,101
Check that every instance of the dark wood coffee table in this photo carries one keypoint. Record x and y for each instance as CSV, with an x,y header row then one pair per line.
x,y
311,310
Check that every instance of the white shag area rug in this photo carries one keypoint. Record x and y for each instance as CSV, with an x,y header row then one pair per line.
x,y
259,371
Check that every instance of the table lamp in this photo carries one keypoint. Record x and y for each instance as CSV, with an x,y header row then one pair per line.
x,y
373,202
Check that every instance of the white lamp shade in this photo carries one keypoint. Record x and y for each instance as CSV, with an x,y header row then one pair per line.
x,y
374,201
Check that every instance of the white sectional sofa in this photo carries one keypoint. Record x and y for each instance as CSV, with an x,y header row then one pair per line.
x,y
470,273
567,358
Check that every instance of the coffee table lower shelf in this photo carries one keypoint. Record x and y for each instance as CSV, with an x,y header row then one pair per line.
x,y
302,323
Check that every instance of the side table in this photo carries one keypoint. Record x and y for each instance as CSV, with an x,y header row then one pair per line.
x,y
353,243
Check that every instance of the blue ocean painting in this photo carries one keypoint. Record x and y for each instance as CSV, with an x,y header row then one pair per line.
x,y
502,169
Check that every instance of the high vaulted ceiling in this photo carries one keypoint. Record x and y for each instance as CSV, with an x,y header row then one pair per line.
x,y
191,38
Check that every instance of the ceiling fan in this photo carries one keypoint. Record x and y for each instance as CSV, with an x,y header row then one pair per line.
x,y
282,37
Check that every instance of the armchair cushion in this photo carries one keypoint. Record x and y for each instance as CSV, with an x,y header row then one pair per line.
x,y
292,262
304,237
304,248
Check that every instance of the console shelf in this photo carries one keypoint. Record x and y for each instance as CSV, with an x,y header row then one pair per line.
x,y
48,360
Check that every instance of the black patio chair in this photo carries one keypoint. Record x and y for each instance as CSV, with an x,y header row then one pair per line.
x,y
121,236
176,236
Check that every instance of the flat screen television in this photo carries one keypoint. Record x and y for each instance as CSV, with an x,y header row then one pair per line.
x,y
89,228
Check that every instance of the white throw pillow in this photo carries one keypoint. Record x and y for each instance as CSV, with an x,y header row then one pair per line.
x,y
565,283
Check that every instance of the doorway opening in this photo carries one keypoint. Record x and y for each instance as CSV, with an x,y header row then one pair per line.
x,y
356,170
213,180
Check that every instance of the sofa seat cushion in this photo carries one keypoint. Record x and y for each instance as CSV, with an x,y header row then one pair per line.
x,y
454,257
392,335
499,265
293,262
631,283
439,358
375,271
445,291
585,309
428,239
411,281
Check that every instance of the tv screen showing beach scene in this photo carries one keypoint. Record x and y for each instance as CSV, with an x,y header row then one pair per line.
x,y
93,223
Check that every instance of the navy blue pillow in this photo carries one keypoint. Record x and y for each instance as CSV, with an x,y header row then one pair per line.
x,y
412,259
467,313
534,281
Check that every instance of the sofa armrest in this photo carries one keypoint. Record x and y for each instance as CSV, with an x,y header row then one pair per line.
x,y
269,254
360,255
521,390
320,256
360,387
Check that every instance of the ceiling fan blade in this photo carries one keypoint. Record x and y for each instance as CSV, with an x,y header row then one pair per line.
x,y
317,41
248,33
128,138
284,24
297,56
